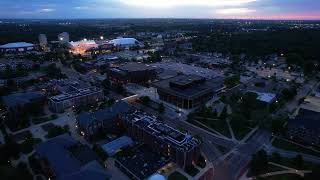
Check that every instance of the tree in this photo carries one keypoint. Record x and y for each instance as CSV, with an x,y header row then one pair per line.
x,y
224,113
145,100
276,157
161,108
259,162
298,161
232,81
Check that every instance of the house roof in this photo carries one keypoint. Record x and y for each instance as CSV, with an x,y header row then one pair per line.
x,y
112,147
13,100
70,160
85,118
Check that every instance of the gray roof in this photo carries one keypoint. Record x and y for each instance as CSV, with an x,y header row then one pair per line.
x,y
17,99
85,118
112,147
68,162
133,66
203,85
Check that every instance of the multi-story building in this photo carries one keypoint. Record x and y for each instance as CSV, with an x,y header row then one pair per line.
x,y
132,73
74,95
64,158
89,123
182,148
187,91
305,127
43,42
18,105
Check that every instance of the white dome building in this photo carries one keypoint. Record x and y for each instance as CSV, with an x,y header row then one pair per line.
x,y
156,176
124,42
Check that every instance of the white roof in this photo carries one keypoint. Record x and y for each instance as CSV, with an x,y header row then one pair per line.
x,y
16,45
265,97
123,41
156,176
83,43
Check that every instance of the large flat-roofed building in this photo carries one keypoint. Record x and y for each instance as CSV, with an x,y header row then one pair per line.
x,y
182,148
16,47
74,94
18,104
64,158
132,73
89,123
305,127
187,91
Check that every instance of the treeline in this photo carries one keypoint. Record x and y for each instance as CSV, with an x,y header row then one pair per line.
x,y
305,43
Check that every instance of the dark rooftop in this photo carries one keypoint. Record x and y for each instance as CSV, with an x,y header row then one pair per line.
x,y
17,99
189,85
308,119
132,66
143,162
67,157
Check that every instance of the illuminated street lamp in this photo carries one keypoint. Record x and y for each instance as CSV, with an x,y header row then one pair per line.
x,y
101,37
85,39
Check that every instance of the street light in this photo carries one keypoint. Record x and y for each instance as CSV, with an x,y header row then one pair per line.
x,y
101,37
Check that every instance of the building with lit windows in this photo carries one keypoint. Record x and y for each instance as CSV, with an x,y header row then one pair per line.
x,y
187,91
182,148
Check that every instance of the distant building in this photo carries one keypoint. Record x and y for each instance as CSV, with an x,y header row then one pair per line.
x,y
187,91
90,122
19,104
43,42
63,37
132,73
74,94
182,148
17,47
124,42
305,127
64,158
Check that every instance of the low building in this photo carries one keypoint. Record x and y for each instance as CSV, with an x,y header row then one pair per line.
x,y
114,146
132,73
64,158
305,127
74,94
16,47
18,104
182,148
266,98
89,123
187,91
141,163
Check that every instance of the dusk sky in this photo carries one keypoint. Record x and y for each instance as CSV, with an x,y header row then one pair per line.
x,y
253,9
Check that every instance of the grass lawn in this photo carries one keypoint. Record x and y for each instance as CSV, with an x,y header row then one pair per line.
x,y
177,176
271,168
290,163
284,177
239,131
220,126
282,144
191,170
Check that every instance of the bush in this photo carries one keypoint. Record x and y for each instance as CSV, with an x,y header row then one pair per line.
x,y
191,170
